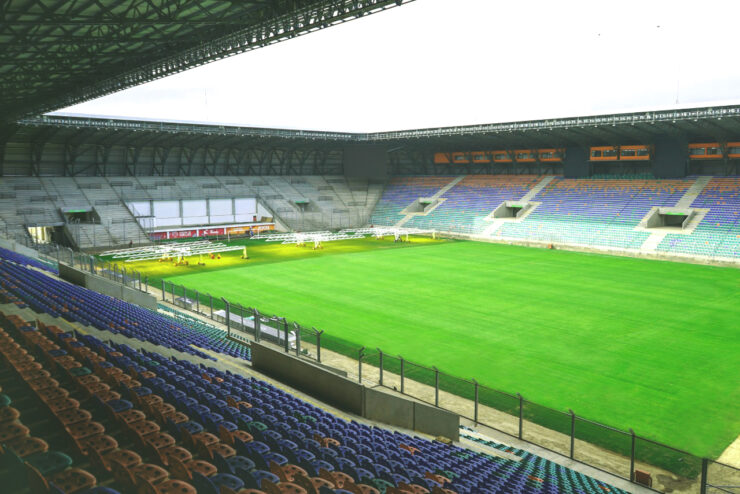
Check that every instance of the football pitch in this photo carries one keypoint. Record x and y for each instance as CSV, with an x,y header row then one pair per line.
x,y
631,343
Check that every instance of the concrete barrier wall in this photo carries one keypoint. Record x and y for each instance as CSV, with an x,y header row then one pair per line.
x,y
19,248
349,396
436,421
401,412
388,409
326,386
107,287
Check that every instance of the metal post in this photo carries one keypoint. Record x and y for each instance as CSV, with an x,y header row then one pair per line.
x,y
572,433
228,316
402,376
632,457
184,295
475,402
139,274
173,293
241,312
146,284
123,275
380,365
521,414
359,364
704,471
285,330
257,324
436,386
210,297
318,344
197,302
163,290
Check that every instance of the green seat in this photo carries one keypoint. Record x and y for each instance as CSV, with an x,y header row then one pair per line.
x,y
381,484
5,400
256,425
80,371
50,462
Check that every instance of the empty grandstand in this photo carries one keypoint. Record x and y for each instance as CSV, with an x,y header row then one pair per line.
x,y
217,309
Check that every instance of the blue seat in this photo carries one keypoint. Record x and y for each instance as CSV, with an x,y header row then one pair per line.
x,y
119,406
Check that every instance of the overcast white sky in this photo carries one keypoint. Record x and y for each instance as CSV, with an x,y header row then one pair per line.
x,y
438,63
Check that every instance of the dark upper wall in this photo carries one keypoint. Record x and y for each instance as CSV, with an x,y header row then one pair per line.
x,y
366,161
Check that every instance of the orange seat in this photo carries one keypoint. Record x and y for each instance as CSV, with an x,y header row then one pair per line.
x,y
27,446
143,428
169,487
125,457
152,473
8,414
51,394
80,431
101,443
43,383
12,430
68,481
183,470
73,415
160,440
130,416
62,404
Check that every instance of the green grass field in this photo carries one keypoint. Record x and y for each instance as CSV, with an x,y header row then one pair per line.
x,y
650,345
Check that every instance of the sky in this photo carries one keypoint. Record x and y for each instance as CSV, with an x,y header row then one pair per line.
x,y
438,63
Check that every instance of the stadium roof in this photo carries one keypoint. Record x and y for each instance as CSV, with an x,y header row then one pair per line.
x,y
56,53
709,123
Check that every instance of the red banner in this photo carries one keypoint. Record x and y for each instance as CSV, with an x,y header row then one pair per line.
x,y
184,234
212,232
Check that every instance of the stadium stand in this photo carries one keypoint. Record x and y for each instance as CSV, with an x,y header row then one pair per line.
x,y
719,233
77,304
208,431
471,200
595,212
400,193
334,200
22,260
600,213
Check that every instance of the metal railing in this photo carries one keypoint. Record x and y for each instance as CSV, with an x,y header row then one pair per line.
x,y
623,453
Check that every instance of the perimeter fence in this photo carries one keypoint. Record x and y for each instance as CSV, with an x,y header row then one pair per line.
x,y
625,454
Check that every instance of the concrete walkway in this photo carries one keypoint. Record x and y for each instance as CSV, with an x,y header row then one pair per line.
x,y
652,242
491,229
537,188
690,196
436,196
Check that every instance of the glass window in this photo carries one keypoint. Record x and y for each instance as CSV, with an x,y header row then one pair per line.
x,y
697,151
610,153
596,153
643,152
628,152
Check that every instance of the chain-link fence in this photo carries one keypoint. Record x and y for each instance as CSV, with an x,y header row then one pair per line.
x,y
720,478
618,452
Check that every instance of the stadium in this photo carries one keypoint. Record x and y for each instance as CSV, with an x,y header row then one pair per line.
x,y
533,306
